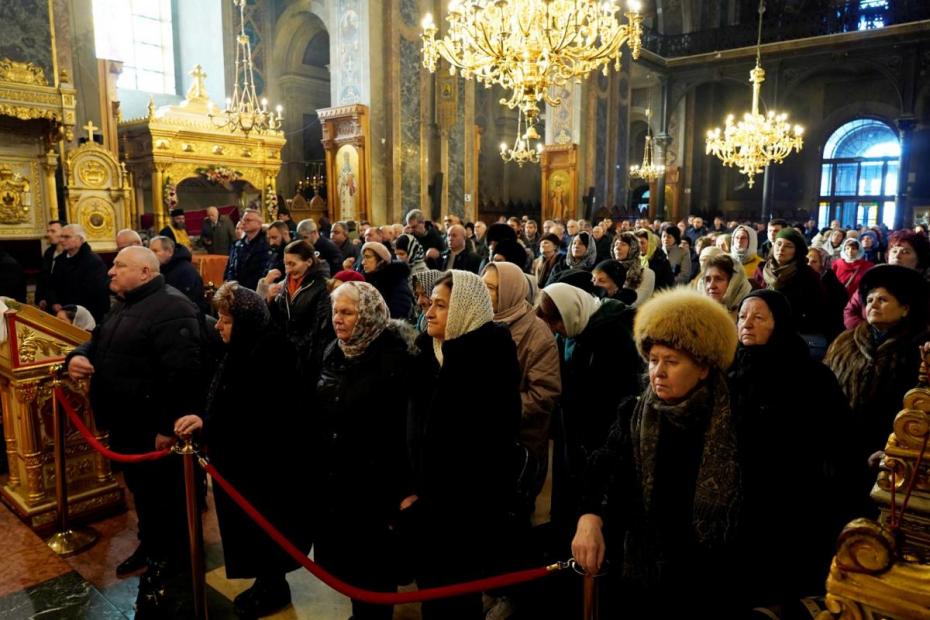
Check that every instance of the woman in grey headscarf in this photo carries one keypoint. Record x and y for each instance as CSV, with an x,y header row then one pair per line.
x,y
408,250
359,450
582,254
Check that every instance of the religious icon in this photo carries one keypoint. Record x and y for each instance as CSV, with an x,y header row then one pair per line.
x,y
558,200
347,184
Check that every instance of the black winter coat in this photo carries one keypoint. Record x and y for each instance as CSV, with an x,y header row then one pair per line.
x,y
49,260
236,413
306,320
359,453
12,278
247,261
805,294
81,280
463,452
182,275
393,282
665,277
147,359
330,254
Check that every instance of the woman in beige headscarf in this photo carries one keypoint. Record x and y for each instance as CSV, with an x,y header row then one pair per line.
x,y
537,353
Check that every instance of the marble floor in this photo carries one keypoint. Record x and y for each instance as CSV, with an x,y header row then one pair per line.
x,y
36,583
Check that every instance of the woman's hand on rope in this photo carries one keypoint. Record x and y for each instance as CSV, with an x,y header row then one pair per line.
x,y
588,546
186,425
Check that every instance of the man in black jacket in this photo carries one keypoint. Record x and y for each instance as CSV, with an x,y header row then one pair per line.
x,y
79,278
145,371
12,278
49,258
325,249
177,269
249,256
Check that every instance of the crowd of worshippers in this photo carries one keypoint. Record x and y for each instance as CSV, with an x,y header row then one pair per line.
x,y
712,409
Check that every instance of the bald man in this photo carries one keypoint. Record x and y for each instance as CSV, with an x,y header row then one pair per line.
x,y
127,238
217,233
145,371
79,278
457,255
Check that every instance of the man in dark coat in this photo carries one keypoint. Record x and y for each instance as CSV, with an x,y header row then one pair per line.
x,y
457,255
340,237
51,254
80,277
12,278
249,256
145,370
217,233
426,234
177,269
327,250
278,237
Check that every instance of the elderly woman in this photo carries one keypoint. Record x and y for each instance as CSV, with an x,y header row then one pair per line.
x,y
408,250
905,248
655,260
744,249
664,487
463,501
233,402
851,266
391,278
549,257
724,282
538,355
582,254
797,552
300,305
877,361
834,294
423,284
679,259
599,369
358,443
786,271
639,277
832,243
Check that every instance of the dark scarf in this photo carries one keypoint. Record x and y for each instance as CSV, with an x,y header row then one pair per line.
x,y
547,266
717,487
778,276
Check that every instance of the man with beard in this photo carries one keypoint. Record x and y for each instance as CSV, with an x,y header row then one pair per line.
x,y
176,230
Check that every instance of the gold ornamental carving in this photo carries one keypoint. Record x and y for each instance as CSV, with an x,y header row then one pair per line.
x,y
96,216
93,173
34,347
22,72
13,189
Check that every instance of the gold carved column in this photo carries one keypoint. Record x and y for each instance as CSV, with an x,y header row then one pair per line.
x,y
559,192
345,139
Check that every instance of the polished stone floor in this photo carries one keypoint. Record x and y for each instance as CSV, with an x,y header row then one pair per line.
x,y
36,583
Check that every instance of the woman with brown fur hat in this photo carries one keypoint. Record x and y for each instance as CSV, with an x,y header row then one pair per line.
x,y
669,469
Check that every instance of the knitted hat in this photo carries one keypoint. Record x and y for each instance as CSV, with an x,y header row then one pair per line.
x,y
906,285
379,249
512,251
687,321
800,243
614,270
349,276
552,238
176,212
674,231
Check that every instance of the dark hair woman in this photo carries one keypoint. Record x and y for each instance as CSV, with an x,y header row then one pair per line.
x,y
463,501
665,486
300,305
639,277
234,401
786,271
599,369
797,552
359,443
877,362
391,278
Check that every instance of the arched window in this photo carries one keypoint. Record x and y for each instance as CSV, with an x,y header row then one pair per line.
x,y
859,174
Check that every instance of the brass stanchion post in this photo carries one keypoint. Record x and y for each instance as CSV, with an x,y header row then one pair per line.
x,y
590,597
66,540
194,529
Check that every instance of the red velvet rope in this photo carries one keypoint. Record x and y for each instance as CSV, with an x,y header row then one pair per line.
x,y
95,443
367,596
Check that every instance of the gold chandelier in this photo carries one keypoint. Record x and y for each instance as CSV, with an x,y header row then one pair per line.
x,y
244,111
527,46
523,151
648,170
757,140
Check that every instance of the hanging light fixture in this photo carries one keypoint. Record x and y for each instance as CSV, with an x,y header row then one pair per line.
x,y
244,111
527,46
523,150
649,171
757,140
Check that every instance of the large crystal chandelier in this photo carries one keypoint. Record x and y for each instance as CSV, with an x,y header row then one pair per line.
x,y
757,140
523,150
527,46
649,171
244,111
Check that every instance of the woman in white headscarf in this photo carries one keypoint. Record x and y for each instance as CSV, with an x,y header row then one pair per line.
x,y
600,367
466,418
744,249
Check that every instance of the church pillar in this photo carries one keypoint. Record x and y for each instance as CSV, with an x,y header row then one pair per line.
x,y
661,141
49,167
904,210
620,93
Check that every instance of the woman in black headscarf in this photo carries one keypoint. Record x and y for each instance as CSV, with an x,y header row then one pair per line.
x,y
784,467
234,401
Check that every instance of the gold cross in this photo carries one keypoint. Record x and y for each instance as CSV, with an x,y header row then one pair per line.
x,y
90,129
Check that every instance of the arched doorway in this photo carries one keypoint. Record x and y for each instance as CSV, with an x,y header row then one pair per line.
x,y
859,174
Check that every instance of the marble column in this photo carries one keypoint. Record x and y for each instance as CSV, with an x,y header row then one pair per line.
x,y
661,143
904,210
620,175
